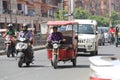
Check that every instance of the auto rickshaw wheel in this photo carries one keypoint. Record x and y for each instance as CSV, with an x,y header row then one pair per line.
x,y
74,62
54,60
51,63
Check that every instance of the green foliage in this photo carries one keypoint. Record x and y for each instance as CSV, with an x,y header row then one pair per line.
x,y
115,18
102,21
80,13
60,15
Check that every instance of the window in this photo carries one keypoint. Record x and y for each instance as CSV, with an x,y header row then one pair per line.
x,y
5,6
85,29
44,1
19,6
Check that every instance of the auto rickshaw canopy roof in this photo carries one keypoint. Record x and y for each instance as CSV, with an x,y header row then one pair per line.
x,y
59,23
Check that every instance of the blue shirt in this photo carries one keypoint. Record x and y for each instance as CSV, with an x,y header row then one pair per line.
x,y
27,34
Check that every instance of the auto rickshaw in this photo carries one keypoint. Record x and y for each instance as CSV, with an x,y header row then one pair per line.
x,y
67,50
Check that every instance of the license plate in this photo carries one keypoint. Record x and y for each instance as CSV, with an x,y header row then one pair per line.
x,y
89,47
81,46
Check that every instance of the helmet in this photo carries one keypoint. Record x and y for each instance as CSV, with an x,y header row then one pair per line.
x,y
24,26
10,26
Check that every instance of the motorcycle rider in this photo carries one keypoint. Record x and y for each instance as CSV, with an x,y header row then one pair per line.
x,y
27,34
111,33
55,36
111,30
11,31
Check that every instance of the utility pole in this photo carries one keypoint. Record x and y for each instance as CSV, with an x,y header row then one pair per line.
x,y
62,9
71,9
110,14
10,11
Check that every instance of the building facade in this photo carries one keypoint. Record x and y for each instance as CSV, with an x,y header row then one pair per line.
x,y
33,12
99,7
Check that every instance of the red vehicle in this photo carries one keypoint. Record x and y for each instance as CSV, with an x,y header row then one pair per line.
x,y
67,50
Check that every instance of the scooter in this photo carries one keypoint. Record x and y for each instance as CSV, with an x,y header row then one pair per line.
x,y
24,52
111,38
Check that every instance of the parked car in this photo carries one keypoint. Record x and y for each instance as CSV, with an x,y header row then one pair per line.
x,y
104,38
104,68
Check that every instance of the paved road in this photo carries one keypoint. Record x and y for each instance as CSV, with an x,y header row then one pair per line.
x,y
42,70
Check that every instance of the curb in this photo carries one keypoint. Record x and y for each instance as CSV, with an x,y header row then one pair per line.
x,y
35,48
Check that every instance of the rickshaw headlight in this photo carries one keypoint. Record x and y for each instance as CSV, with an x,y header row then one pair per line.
x,y
55,46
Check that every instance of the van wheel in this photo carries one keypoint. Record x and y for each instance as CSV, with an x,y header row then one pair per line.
x,y
93,53
116,44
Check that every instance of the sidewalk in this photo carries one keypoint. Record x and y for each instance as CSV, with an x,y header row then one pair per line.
x,y
34,47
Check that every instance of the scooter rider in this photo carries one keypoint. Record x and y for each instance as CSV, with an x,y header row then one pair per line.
x,y
27,34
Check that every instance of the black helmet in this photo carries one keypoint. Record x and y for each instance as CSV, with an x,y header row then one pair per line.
x,y
10,26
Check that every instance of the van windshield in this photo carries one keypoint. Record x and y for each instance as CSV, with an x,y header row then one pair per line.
x,y
85,29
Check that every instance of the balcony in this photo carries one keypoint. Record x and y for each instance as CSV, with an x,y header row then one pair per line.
x,y
36,0
29,1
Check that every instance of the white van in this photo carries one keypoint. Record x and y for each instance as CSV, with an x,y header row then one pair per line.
x,y
87,36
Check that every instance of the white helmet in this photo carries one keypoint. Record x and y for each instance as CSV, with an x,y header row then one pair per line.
x,y
24,24
10,24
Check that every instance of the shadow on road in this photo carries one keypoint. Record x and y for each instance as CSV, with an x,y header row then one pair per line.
x,y
70,66
85,55
105,54
88,55
34,66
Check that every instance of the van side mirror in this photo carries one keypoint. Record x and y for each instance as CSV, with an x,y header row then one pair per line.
x,y
96,32
76,37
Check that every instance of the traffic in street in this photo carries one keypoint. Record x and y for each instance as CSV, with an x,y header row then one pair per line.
x,y
59,39
41,68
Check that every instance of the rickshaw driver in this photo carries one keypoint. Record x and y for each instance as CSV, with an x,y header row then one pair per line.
x,y
55,36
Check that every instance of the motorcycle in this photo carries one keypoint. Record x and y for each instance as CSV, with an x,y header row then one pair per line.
x,y
24,50
10,45
55,50
111,38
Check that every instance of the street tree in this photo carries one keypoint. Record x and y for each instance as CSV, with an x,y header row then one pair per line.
x,y
61,15
81,13
102,21
115,18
